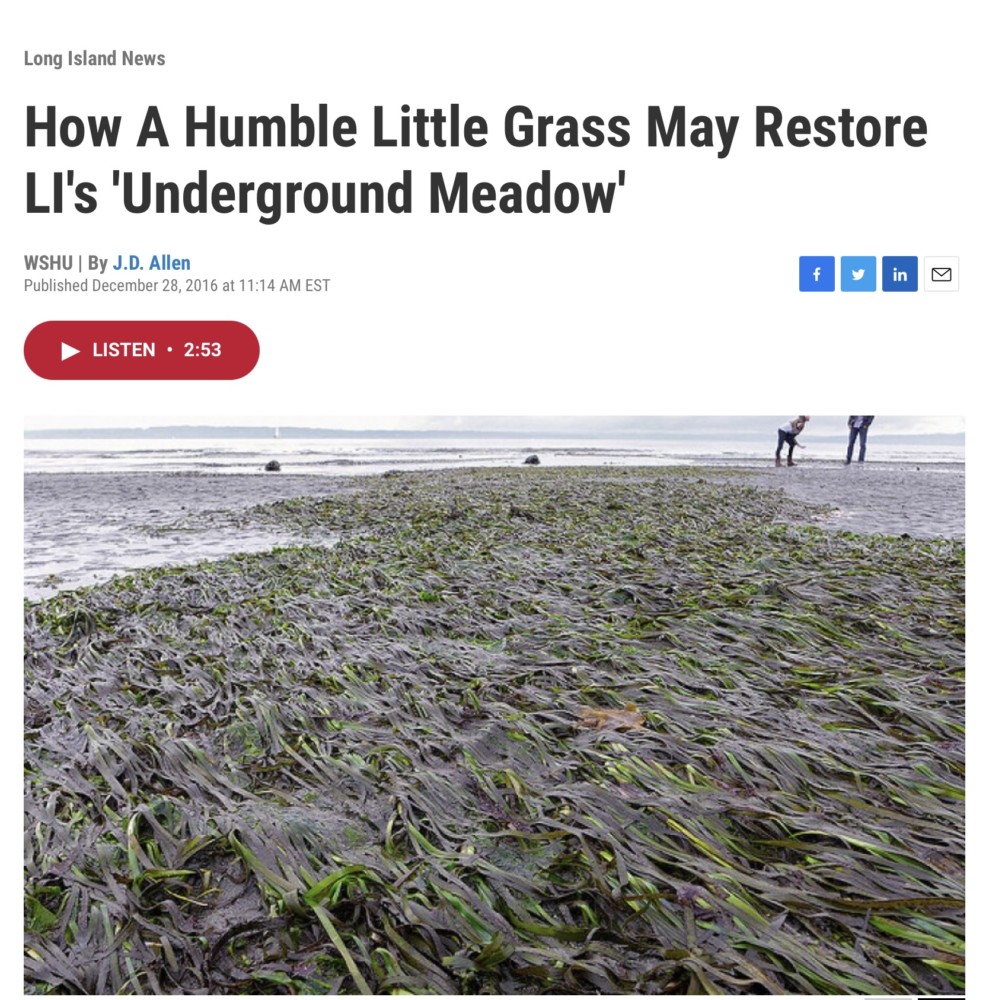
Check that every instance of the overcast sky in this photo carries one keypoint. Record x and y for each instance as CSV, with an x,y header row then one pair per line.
x,y
707,426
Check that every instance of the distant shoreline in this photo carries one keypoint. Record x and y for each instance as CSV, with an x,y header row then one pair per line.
x,y
181,431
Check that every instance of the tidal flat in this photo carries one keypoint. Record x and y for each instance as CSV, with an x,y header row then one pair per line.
x,y
514,731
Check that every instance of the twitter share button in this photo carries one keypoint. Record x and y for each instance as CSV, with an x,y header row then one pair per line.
x,y
858,274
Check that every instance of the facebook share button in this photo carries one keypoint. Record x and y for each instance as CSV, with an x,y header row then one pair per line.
x,y
817,274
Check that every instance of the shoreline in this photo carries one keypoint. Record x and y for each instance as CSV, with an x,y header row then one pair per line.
x,y
84,527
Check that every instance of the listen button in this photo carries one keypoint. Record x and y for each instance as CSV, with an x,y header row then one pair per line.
x,y
141,349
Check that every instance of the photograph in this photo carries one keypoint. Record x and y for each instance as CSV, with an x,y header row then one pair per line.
x,y
494,705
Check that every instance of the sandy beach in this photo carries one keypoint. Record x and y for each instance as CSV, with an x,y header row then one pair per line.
x,y
499,730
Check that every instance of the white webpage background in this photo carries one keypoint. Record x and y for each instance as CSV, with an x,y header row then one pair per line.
x,y
683,300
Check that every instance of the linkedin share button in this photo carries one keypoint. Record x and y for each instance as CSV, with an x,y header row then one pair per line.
x,y
141,349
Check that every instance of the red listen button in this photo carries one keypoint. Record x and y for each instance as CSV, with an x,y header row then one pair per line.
x,y
141,349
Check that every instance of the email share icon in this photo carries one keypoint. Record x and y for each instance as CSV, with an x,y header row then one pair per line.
x,y
941,274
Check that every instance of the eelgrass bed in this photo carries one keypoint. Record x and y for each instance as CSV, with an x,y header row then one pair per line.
x,y
518,731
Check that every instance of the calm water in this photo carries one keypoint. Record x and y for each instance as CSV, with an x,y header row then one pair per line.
x,y
355,456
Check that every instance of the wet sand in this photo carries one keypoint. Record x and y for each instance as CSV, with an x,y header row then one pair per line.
x,y
923,501
83,528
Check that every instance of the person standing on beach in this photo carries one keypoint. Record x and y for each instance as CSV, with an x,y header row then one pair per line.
x,y
858,427
787,434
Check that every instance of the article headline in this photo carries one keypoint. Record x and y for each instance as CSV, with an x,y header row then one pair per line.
x,y
439,128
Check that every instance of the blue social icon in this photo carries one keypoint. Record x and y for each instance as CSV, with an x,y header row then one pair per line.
x,y
858,274
817,274
900,274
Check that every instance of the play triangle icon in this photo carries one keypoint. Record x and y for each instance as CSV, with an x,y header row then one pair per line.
x,y
68,351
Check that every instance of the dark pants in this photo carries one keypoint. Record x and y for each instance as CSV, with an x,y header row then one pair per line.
x,y
785,437
856,432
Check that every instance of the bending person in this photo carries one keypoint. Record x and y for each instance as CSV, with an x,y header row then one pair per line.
x,y
787,434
